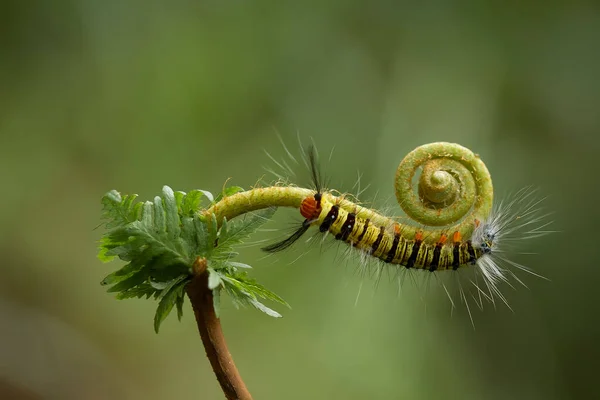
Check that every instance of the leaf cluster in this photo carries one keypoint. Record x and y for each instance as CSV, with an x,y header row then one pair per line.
x,y
159,240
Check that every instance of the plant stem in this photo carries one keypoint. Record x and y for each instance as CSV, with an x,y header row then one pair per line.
x,y
212,336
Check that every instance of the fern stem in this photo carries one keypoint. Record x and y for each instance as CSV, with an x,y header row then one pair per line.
x,y
212,336
256,199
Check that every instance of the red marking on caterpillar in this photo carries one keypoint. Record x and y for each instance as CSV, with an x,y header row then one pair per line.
x,y
310,208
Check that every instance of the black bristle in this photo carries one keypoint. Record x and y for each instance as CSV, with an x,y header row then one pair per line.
x,y
314,168
316,180
287,242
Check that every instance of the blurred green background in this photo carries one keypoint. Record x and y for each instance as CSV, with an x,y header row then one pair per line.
x,y
133,95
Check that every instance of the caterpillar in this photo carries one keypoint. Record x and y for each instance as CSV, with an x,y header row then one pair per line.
x,y
455,222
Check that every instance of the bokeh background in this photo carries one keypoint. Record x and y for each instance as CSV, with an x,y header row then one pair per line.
x,y
133,95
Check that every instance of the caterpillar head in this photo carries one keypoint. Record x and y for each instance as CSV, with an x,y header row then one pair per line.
x,y
484,237
311,207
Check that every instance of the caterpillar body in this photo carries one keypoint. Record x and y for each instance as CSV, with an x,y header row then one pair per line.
x,y
389,244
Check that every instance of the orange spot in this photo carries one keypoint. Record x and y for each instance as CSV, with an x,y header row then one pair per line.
x,y
477,222
308,208
397,229
443,239
419,236
456,238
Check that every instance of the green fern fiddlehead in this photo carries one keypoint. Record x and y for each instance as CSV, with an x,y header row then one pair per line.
x,y
454,185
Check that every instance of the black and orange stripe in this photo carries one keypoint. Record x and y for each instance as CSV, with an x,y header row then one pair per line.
x,y
391,246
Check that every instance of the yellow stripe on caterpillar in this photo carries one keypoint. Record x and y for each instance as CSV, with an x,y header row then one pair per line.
x,y
391,242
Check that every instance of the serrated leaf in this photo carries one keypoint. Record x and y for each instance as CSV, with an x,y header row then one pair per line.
x,y
213,231
171,213
235,231
172,284
261,307
120,274
238,265
117,210
204,240
179,196
191,202
139,291
244,290
147,214
249,287
160,223
104,250
168,298
130,282
149,236
223,231
111,247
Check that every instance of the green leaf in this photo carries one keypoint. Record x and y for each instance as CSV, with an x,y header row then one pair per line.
x,y
114,245
243,283
179,301
117,210
213,232
246,291
168,298
139,291
159,241
191,202
120,274
179,196
238,265
104,251
147,214
134,280
223,232
239,229
204,236
153,244
261,307
160,223
171,213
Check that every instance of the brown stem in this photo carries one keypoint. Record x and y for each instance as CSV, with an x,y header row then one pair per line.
x,y
211,333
